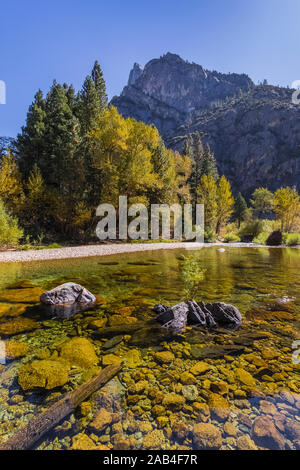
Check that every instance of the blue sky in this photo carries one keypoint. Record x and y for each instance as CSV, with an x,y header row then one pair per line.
x,y
43,40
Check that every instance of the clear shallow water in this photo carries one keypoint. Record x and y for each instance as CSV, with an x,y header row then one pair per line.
x,y
253,279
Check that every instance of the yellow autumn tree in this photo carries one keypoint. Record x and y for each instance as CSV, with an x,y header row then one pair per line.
x,y
183,170
133,161
207,192
286,206
225,203
11,190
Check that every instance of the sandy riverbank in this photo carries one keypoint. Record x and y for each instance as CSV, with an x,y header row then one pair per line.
x,y
108,249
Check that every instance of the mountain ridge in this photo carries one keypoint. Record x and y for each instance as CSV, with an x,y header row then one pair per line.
x,y
254,130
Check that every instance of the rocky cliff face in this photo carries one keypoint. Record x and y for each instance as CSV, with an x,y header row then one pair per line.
x,y
254,131
168,90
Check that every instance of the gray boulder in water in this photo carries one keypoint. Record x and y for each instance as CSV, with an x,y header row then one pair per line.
x,y
67,293
193,313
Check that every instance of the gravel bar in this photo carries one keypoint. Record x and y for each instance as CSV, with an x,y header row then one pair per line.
x,y
109,249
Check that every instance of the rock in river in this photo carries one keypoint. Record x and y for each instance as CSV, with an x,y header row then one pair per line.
x,y
43,374
198,313
67,293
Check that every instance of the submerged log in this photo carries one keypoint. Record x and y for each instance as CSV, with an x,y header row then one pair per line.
x,y
27,436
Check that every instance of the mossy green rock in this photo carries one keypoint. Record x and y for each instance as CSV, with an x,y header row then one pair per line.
x,y
244,377
43,374
79,352
173,401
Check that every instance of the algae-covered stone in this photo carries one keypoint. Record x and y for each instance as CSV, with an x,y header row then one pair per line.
x,y
125,311
173,401
102,419
43,374
11,310
98,323
202,409
162,421
230,429
180,430
269,354
15,350
79,352
119,320
132,358
207,436
82,442
244,377
219,406
187,378
219,387
22,296
200,368
109,359
164,357
245,443
158,410
154,439
17,325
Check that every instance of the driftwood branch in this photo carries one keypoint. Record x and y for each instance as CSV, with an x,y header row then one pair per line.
x,y
27,436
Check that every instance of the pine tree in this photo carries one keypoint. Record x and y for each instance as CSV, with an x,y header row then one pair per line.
x,y
30,143
197,154
209,165
88,108
35,213
71,96
240,209
60,166
97,77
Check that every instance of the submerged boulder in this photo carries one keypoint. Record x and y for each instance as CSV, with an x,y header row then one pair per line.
x,y
43,374
67,293
79,352
198,313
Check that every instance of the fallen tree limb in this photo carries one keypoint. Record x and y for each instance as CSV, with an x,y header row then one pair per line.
x,y
27,436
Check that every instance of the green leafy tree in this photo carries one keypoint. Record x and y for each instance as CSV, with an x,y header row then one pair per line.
x,y
262,201
10,232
